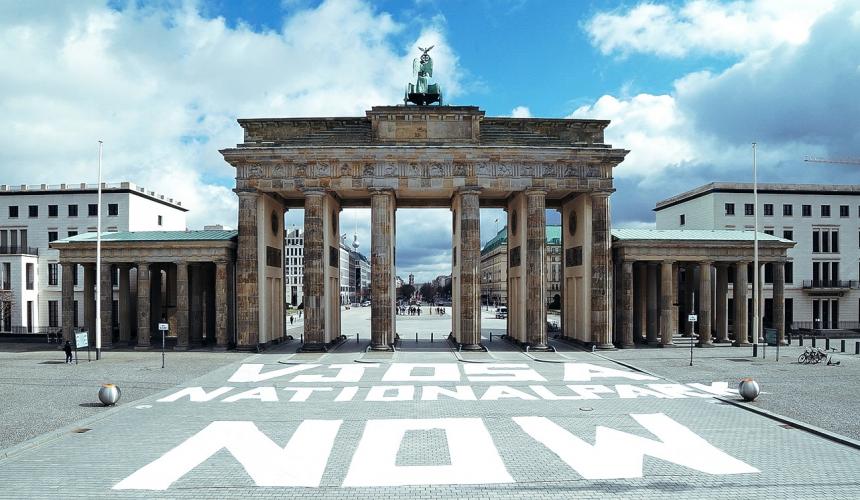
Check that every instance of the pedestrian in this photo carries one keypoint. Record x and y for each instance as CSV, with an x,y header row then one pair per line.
x,y
291,319
68,349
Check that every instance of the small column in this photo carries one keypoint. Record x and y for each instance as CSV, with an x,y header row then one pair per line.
x,y
382,206
627,304
779,301
106,306
89,301
740,301
640,282
687,301
196,319
247,293
470,268
124,305
314,271
155,278
68,293
667,296
221,306
722,317
704,303
536,269
601,271
143,305
759,323
653,305
181,306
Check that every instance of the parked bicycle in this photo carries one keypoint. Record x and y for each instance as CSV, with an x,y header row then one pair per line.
x,y
812,356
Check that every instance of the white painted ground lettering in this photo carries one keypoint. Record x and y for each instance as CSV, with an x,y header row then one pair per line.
x,y
585,372
264,394
474,457
501,372
403,372
301,463
461,392
345,374
303,393
619,455
380,393
252,372
196,394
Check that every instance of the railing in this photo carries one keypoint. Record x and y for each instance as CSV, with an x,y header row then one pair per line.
x,y
18,249
23,188
817,325
830,284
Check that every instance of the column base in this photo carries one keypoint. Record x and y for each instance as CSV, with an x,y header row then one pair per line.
x,y
142,347
312,347
653,342
628,346
670,344
181,348
722,341
704,344
741,344
539,347
381,347
472,347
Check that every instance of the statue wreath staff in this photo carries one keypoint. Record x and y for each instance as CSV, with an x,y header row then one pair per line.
x,y
423,93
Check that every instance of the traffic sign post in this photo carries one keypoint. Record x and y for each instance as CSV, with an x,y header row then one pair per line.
x,y
82,340
692,318
163,328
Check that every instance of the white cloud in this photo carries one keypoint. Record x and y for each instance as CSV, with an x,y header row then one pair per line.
x,y
163,85
521,112
705,26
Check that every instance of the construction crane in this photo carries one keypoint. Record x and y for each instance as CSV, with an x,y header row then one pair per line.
x,y
844,161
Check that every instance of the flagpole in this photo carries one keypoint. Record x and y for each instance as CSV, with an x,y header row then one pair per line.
x,y
99,261
755,251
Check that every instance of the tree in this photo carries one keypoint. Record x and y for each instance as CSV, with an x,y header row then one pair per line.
x,y
5,306
405,292
428,291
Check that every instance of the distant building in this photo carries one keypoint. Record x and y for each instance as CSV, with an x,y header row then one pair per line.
x,y
294,269
494,265
33,216
354,271
398,282
411,279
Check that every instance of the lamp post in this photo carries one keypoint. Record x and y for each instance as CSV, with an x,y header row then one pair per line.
x,y
755,250
99,261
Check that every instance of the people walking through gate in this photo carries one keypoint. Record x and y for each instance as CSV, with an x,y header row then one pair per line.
x,y
291,319
68,349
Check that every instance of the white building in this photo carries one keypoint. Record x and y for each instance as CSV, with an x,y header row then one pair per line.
x,y
33,216
294,270
294,267
822,277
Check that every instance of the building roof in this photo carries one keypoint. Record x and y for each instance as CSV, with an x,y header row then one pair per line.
x,y
209,235
553,237
763,188
692,235
84,188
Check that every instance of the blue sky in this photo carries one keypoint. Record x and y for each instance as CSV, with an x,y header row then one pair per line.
x,y
688,84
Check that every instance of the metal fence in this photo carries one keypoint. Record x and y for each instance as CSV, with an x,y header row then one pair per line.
x,y
831,284
817,325
18,249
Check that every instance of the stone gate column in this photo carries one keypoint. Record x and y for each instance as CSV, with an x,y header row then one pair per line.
x,y
196,318
89,301
382,206
653,305
247,279
687,299
106,306
667,298
705,304
722,317
221,305
68,293
181,305
124,304
536,269
601,271
779,301
470,265
740,302
314,271
144,305
640,299
627,304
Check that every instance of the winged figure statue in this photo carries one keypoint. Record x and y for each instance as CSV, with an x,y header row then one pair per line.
x,y
422,92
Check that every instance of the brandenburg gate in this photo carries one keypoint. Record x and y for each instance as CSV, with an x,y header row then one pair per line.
x,y
424,156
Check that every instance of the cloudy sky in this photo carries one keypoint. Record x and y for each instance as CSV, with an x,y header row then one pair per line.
x,y
688,86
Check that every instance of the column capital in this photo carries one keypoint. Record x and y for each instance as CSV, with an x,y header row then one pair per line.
x,y
601,194
709,262
668,261
469,190
313,191
247,192
535,191
379,190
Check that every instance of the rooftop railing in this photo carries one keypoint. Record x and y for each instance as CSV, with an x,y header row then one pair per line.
x,y
812,284
27,188
18,249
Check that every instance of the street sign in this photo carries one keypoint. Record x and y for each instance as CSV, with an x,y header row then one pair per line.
x,y
163,327
693,318
82,339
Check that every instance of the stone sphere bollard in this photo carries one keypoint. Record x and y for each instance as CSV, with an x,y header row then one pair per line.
x,y
748,389
109,394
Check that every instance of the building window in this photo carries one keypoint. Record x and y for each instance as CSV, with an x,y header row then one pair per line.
x,y
787,210
834,241
52,274
815,242
72,232
749,209
768,209
806,210
33,210
53,236
160,220
843,210
825,210
768,273
53,313
75,312
73,210
13,212
52,210
113,209
30,276
730,209
789,272
92,209
681,220
768,231
788,234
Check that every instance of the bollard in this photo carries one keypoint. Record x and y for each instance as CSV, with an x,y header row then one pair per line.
x,y
827,344
302,338
431,337
856,347
842,347
755,350
416,337
356,338
788,337
491,336
813,341
800,342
